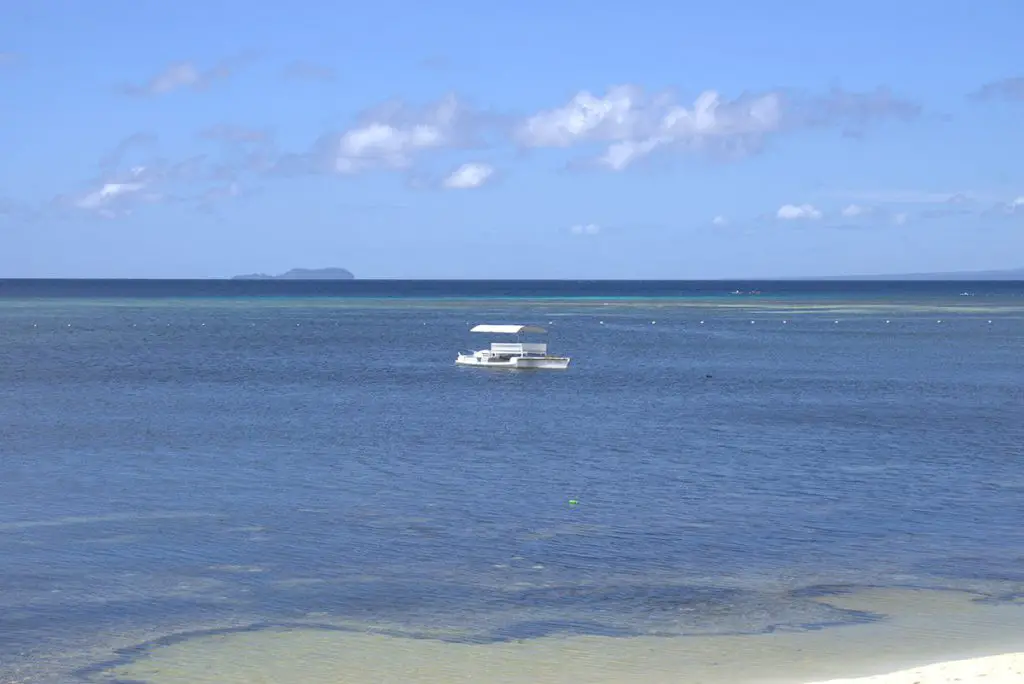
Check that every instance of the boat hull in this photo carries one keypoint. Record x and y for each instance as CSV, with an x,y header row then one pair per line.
x,y
516,362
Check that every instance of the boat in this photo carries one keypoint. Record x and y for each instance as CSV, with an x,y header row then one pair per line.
x,y
519,354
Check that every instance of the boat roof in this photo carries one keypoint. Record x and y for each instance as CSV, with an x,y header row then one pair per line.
x,y
507,329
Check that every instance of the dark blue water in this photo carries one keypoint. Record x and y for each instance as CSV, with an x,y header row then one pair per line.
x,y
256,455
576,289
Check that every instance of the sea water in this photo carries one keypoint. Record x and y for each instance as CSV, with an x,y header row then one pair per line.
x,y
286,460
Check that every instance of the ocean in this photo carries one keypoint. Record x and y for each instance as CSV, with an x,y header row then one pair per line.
x,y
208,480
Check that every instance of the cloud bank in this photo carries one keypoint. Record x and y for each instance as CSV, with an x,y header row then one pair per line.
x,y
614,131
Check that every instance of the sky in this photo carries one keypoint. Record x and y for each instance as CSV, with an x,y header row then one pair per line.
x,y
650,139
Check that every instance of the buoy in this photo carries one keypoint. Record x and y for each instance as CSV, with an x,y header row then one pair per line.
x,y
573,502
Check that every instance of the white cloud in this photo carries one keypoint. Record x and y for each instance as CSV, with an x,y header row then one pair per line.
x,y
634,126
392,137
612,117
181,75
471,175
117,194
112,198
853,210
107,194
1006,208
720,221
135,173
792,212
385,144
585,229
174,77
900,218
186,74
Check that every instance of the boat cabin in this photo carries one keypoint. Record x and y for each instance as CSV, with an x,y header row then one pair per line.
x,y
519,348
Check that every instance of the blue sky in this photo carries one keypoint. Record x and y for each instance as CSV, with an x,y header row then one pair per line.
x,y
534,140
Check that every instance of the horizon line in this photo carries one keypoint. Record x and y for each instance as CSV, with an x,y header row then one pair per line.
x,y
1010,276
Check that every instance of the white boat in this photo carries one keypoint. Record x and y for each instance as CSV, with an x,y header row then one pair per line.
x,y
519,354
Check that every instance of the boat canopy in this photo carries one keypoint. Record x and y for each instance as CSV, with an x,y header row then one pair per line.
x,y
507,329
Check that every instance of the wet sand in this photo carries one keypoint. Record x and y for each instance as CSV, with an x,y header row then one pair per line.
x,y
922,633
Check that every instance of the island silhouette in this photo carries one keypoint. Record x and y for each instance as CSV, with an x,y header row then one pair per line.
x,y
302,274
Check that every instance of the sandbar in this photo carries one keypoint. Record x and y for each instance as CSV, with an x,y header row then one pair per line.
x,y
927,637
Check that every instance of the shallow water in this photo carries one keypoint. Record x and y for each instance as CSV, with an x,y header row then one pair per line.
x,y
918,627
170,465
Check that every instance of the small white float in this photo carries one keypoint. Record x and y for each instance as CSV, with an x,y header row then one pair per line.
x,y
519,354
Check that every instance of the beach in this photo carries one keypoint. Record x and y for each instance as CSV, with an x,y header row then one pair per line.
x,y
1007,668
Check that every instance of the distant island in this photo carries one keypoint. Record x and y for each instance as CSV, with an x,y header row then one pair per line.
x,y
302,274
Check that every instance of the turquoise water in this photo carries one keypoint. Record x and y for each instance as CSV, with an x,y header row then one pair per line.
x,y
174,459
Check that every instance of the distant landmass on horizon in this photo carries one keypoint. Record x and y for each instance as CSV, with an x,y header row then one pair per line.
x,y
1005,274
334,273
302,274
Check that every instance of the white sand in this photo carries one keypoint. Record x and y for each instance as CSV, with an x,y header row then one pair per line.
x,y
1001,669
